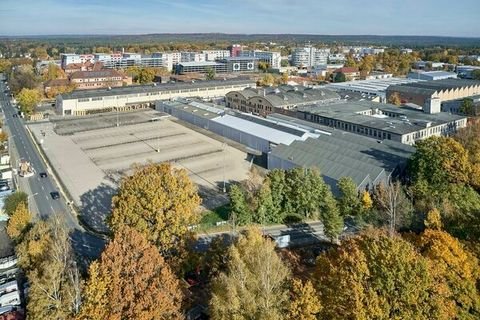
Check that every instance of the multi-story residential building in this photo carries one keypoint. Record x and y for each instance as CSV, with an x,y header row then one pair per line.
x,y
336,58
271,57
84,80
310,56
69,58
212,55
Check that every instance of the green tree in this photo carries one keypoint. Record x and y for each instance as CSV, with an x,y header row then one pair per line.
x,y
131,280
305,191
255,284
476,74
340,77
13,200
331,218
28,99
210,75
467,107
276,180
160,202
267,80
377,276
349,201
284,63
240,211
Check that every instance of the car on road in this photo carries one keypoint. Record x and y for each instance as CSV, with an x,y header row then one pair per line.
x,y
42,174
55,195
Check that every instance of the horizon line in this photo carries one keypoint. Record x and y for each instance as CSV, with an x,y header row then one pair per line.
x,y
232,34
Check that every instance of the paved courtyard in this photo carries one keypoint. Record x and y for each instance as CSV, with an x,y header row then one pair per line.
x,y
91,162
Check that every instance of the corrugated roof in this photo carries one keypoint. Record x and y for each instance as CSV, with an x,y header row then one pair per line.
x,y
344,154
257,129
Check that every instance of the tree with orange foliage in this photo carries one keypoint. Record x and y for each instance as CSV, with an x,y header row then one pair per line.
x,y
160,202
131,280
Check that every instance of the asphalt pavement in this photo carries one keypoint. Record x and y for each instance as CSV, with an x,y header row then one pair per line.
x,y
41,202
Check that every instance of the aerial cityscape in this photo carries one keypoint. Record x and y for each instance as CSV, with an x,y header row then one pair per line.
x,y
239,160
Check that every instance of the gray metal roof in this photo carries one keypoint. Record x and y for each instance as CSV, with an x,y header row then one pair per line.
x,y
350,112
79,94
286,95
429,87
200,64
344,154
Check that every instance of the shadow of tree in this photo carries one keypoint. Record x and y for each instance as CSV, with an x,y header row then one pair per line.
x,y
87,248
96,206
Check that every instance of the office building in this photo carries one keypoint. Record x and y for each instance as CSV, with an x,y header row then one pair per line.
x,y
235,50
192,57
199,67
273,59
212,55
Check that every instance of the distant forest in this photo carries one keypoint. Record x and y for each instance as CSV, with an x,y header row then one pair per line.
x,y
287,39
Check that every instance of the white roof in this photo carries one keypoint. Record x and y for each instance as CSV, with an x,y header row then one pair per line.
x,y
258,130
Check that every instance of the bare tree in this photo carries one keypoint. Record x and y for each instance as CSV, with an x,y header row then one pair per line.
x,y
393,203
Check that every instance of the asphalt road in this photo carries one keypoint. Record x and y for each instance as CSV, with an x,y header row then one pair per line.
x,y
40,201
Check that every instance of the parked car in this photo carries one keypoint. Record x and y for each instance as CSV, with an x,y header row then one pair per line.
x,y
55,195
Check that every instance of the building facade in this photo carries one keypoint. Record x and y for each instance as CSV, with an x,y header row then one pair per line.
x,y
283,99
87,80
384,121
131,97
272,58
310,56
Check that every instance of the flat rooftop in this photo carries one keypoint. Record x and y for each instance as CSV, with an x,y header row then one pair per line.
x,y
379,85
406,120
433,86
200,64
80,94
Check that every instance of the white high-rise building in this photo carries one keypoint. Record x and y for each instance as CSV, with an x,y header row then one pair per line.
x,y
192,57
310,56
271,57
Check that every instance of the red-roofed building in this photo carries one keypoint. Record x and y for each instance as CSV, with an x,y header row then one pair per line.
x,y
99,79
87,66
349,72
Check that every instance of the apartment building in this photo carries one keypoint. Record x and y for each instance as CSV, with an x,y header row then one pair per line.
x,y
271,57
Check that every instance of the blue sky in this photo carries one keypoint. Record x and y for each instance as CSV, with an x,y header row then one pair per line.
x,y
335,17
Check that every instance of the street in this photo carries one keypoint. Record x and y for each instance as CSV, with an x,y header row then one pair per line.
x,y
38,189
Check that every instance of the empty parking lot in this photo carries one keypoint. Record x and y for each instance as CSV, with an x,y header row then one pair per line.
x,y
90,162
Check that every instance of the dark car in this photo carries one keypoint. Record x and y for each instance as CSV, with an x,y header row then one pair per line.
x,y
42,174
55,195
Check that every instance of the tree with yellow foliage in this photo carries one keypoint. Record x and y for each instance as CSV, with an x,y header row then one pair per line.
x,y
434,220
375,275
160,202
304,304
28,100
254,285
19,222
454,266
131,280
